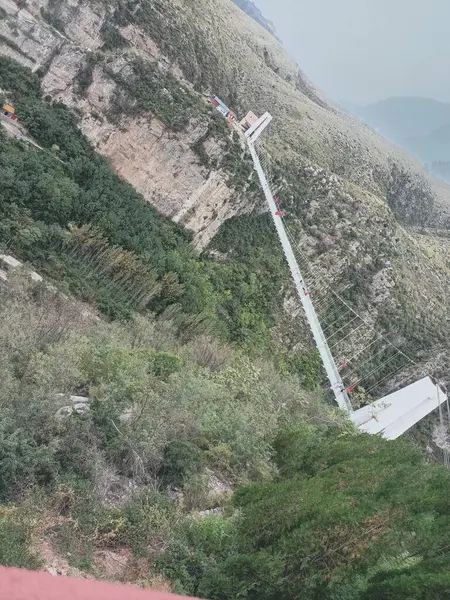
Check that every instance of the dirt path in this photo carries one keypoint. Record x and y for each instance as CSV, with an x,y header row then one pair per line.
x,y
14,130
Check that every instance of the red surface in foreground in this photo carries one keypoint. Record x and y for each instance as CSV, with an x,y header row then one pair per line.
x,y
17,584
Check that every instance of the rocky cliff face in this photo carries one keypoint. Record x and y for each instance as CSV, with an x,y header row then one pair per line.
x,y
159,163
70,40
139,74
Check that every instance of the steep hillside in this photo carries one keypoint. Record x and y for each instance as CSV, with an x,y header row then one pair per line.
x,y
210,46
163,418
253,11
137,74
132,455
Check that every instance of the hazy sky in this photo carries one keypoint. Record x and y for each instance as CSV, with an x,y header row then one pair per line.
x,y
366,50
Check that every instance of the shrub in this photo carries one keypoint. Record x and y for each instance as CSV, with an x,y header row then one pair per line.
x,y
209,353
301,452
165,364
145,524
53,19
254,577
16,537
428,580
181,461
85,76
112,38
220,458
365,502
21,80
148,88
195,550
22,460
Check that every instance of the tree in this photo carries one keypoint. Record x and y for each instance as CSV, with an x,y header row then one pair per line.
x,y
345,503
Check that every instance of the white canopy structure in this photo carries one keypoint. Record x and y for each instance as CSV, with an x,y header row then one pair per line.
x,y
394,414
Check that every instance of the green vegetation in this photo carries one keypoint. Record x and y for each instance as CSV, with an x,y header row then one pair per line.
x,y
71,217
351,517
52,19
180,41
180,421
85,76
16,536
250,295
219,129
42,196
148,88
319,512
10,43
414,206
166,410
112,38
231,156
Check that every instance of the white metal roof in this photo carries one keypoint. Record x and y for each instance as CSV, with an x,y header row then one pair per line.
x,y
396,413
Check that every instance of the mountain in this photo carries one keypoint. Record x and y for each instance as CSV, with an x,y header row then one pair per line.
x,y
139,88
419,125
430,147
164,415
402,118
253,11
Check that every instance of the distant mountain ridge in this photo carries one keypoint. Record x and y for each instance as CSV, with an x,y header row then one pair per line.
x,y
430,147
399,118
254,12
420,125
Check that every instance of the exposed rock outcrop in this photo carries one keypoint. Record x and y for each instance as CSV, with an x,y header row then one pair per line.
x,y
158,163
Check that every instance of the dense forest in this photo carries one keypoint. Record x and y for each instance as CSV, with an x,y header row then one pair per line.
x,y
65,210
222,471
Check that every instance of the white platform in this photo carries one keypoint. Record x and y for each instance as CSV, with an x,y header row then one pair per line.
x,y
394,414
